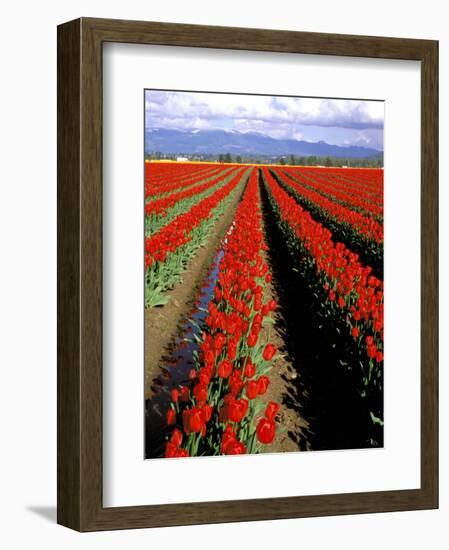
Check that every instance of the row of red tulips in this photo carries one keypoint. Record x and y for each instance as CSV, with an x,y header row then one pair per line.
x,y
349,285
219,410
372,178
170,249
175,234
351,195
161,178
160,206
365,225
367,179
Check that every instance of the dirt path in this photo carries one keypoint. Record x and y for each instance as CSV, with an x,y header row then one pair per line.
x,y
162,324
293,428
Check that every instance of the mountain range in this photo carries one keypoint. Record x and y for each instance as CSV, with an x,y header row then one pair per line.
x,y
214,142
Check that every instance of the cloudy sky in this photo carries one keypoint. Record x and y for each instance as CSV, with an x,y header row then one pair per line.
x,y
335,121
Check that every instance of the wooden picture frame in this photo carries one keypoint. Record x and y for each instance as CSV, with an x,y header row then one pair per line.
x,y
80,504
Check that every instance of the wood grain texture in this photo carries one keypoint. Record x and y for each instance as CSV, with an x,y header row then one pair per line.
x,y
80,273
69,407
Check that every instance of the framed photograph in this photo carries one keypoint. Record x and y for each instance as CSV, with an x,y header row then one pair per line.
x,y
247,274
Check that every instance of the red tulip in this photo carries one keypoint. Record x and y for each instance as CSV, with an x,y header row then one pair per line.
x,y
269,352
207,411
224,369
193,420
174,395
170,450
171,417
355,332
234,409
181,453
252,340
263,383
235,448
271,410
176,437
200,392
252,389
265,431
219,342
250,369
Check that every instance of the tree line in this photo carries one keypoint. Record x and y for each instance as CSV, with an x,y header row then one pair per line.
x,y
312,160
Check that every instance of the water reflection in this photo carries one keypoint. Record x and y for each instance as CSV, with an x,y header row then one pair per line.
x,y
178,363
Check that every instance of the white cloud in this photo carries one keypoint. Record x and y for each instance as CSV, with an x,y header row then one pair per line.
x,y
285,117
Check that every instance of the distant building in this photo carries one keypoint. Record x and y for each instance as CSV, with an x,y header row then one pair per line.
x,y
182,159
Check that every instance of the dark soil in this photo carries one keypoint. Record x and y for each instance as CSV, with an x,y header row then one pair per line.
x,y
321,391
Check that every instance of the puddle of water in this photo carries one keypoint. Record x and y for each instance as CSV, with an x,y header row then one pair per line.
x,y
178,363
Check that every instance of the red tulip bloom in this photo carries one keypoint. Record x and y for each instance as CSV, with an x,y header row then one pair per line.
x,y
193,420
182,453
250,369
379,356
265,431
234,409
219,342
200,392
263,383
207,411
227,438
171,417
176,437
355,332
170,450
269,352
235,448
252,389
252,340
224,369
235,385
232,350
174,395
271,410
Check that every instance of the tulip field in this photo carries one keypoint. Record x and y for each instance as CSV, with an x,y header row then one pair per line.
x,y
264,326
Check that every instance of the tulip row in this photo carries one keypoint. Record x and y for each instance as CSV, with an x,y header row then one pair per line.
x,y
168,251
365,225
161,178
348,289
162,211
355,198
361,233
367,182
219,410
363,181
